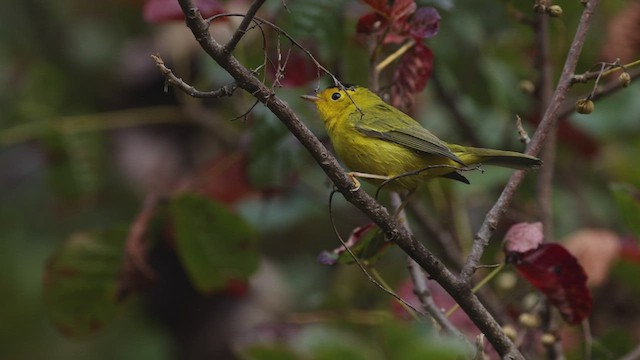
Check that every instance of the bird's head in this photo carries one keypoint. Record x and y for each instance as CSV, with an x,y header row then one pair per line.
x,y
335,101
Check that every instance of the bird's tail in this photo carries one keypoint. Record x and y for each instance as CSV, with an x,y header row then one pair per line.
x,y
510,159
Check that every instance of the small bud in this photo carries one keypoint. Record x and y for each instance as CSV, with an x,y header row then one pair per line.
x,y
527,87
510,331
506,281
539,8
625,79
548,339
554,11
584,106
529,320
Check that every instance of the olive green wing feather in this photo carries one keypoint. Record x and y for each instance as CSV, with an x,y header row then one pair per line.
x,y
402,130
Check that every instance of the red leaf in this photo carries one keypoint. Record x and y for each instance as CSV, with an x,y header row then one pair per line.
x,y
156,11
381,6
523,237
371,23
358,240
630,250
401,9
331,257
411,76
557,274
224,179
424,23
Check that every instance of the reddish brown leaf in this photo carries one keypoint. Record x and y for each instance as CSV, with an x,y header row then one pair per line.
x,y
401,9
223,179
371,23
360,243
331,257
424,23
156,11
380,6
596,250
556,273
411,76
630,250
523,237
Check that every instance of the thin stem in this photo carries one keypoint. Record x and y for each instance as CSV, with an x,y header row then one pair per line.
x,y
590,75
478,286
226,90
394,56
242,29
91,122
608,89
545,91
419,279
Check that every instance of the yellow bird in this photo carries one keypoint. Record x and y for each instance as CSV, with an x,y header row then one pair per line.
x,y
381,143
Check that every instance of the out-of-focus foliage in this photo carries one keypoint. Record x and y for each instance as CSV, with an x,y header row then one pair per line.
x,y
87,132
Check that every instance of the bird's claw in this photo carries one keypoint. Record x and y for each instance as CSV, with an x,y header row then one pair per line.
x,y
355,182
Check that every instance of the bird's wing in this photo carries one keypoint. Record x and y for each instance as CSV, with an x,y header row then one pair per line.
x,y
403,130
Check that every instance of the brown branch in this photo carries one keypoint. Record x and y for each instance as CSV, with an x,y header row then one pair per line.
x,y
460,291
544,93
419,279
610,88
432,228
171,79
135,272
490,223
242,29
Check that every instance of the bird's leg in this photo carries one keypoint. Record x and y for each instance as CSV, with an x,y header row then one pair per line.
x,y
354,175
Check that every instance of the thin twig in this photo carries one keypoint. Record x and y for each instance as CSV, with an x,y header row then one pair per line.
x,y
419,279
136,271
544,93
490,223
522,133
395,55
364,270
606,69
242,29
605,90
226,90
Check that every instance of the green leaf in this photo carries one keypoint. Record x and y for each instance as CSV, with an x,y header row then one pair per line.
x,y
627,198
81,282
405,341
274,155
215,245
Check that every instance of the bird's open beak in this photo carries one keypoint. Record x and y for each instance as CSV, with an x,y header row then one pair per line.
x,y
311,98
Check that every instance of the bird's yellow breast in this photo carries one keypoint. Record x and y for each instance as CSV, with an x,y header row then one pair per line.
x,y
370,155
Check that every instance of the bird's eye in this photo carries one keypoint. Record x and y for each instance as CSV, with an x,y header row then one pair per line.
x,y
335,96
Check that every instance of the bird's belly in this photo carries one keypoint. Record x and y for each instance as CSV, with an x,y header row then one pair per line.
x,y
379,157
